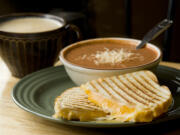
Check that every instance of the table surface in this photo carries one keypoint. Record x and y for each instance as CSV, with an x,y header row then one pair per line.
x,y
15,121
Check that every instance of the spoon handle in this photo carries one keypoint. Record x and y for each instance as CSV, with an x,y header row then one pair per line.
x,y
155,32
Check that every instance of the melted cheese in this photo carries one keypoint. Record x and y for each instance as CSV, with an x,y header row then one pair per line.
x,y
120,112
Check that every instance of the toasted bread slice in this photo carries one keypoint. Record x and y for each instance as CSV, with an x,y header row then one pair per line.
x,y
73,104
138,91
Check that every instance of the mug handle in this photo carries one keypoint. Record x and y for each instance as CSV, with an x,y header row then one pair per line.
x,y
75,29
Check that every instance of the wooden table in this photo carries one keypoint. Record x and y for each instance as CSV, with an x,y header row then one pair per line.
x,y
15,121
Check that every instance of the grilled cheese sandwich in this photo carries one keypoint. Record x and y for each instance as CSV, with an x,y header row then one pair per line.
x,y
133,97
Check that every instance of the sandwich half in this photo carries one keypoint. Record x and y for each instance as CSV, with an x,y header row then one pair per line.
x,y
133,97
73,104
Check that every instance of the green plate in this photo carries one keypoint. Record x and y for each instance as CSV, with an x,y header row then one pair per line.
x,y
36,92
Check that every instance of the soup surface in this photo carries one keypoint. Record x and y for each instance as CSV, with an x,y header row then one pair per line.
x,y
109,54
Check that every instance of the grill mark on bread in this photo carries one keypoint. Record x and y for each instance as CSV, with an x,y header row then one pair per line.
x,y
83,106
138,82
139,92
127,91
154,85
121,90
152,76
118,93
107,91
148,92
76,100
93,86
145,90
144,94
100,89
138,97
147,86
157,88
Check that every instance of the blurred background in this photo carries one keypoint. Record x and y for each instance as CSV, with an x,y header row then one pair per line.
x,y
111,18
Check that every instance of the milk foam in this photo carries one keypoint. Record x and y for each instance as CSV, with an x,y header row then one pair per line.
x,y
30,25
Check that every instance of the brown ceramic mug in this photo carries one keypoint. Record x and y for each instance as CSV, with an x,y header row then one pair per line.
x,y
25,53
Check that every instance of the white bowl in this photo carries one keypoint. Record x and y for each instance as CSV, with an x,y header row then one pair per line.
x,y
80,75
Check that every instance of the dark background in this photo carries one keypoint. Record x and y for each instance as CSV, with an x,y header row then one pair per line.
x,y
109,18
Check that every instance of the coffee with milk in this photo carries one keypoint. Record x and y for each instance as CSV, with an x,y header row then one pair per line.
x,y
30,25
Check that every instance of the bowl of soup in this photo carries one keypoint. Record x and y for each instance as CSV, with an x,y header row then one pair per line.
x,y
103,57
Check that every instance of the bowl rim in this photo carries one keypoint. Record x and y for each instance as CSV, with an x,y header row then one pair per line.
x,y
31,14
74,66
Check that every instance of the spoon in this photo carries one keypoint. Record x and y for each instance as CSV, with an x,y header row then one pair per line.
x,y
155,32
